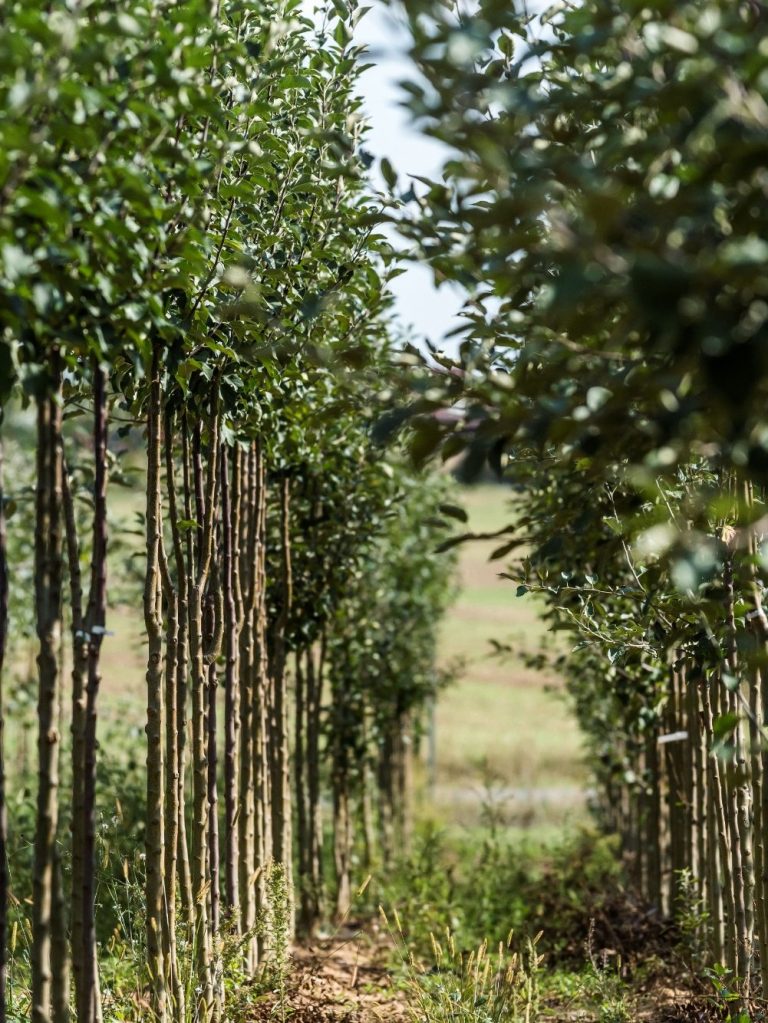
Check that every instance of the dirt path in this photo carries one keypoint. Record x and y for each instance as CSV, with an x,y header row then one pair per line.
x,y
347,979
344,979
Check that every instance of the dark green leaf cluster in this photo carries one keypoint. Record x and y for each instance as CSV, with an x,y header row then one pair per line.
x,y
604,208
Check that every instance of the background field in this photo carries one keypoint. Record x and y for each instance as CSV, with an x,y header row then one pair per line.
x,y
504,733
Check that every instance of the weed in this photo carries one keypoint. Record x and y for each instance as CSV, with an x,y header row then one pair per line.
x,y
471,987
604,985
692,920
727,996
277,930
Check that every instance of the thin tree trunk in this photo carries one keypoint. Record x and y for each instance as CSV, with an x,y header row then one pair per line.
x,y
60,959
342,843
79,676
739,816
247,578
230,515
214,858
763,875
282,842
342,723
185,591
214,628
404,780
759,708
385,777
653,818
300,787
758,822
175,729
205,502
171,806
48,582
3,806
199,851
155,838
760,761
743,801
261,695
314,677
88,1002
367,830
676,793
716,901
706,853
213,799
723,833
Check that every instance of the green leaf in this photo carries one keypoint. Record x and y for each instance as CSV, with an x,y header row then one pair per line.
x,y
186,524
454,511
502,551
725,725
388,172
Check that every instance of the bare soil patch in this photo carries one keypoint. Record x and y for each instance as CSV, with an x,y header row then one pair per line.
x,y
344,979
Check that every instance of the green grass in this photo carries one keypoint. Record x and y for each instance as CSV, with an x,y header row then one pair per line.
x,y
501,722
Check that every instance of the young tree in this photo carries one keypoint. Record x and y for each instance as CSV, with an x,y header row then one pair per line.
x,y
613,368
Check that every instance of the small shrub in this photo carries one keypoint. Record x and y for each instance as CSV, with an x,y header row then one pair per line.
x,y
727,997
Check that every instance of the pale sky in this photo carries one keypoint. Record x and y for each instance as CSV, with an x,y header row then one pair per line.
x,y
431,312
